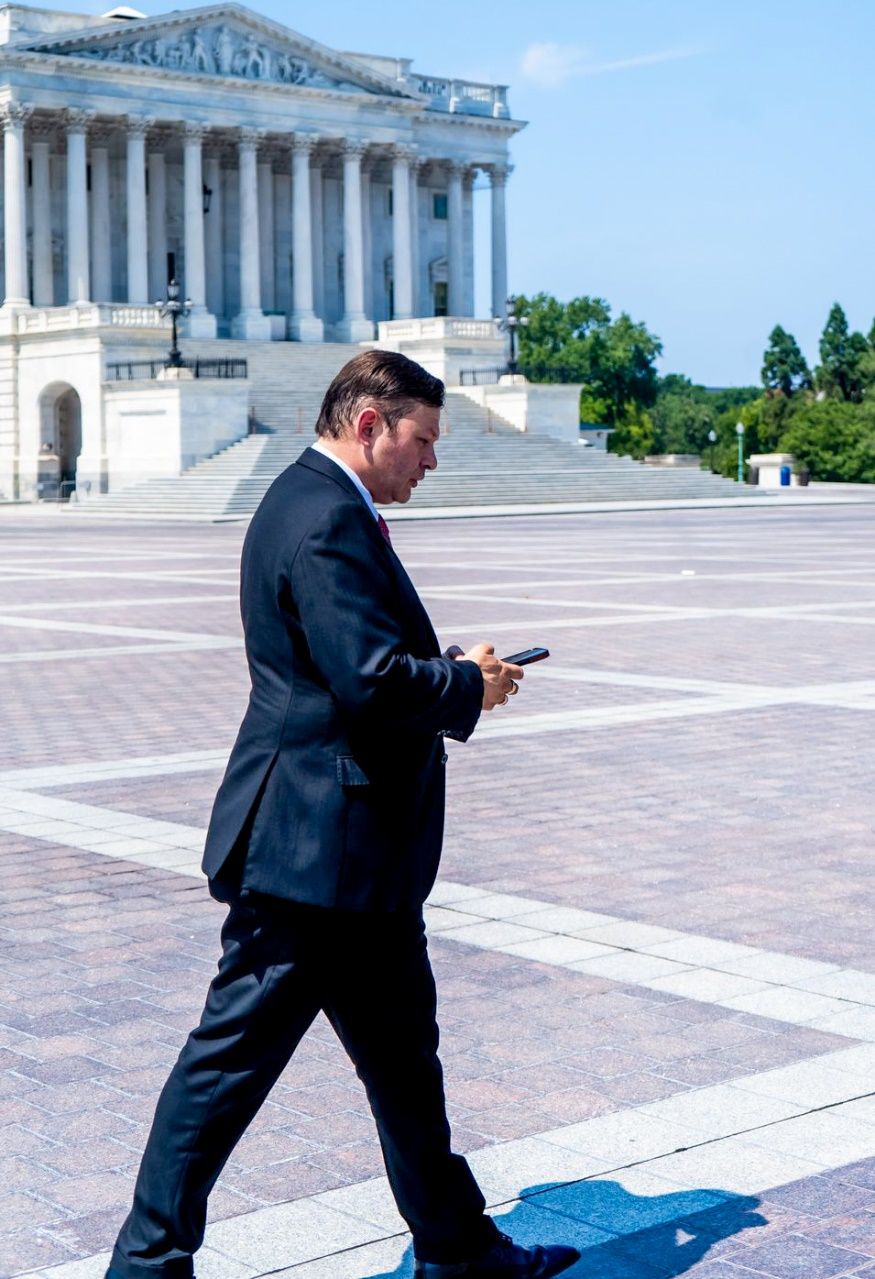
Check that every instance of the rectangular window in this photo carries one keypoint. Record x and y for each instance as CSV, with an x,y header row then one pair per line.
x,y
440,297
439,206
390,203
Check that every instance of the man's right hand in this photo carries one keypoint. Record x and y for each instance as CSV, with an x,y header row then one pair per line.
x,y
500,680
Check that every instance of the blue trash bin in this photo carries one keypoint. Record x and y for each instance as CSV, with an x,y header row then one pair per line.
x,y
786,472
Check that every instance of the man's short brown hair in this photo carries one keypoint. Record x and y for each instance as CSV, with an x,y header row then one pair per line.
x,y
388,381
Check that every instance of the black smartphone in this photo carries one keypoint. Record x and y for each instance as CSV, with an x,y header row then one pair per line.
x,y
527,656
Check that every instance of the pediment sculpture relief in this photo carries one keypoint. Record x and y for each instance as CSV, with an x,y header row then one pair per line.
x,y
219,51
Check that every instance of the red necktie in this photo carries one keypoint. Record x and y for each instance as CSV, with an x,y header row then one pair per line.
x,y
384,528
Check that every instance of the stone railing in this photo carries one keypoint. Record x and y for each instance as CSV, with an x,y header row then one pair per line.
x,y
466,97
89,315
438,326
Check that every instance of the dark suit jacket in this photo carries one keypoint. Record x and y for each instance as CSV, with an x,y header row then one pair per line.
x,y
334,792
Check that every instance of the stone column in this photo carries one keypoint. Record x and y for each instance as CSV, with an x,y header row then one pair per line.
x,y
416,168
14,117
498,178
468,240
213,234
135,186
303,324
101,257
157,222
78,281
200,323
318,230
251,324
157,225
455,241
354,327
367,244
41,187
402,239
266,237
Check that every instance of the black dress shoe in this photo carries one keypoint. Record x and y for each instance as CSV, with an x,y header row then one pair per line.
x,y
504,1260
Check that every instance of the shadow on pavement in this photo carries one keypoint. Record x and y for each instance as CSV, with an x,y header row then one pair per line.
x,y
657,1236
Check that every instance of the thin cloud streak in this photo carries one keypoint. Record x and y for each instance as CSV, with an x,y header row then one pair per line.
x,y
552,64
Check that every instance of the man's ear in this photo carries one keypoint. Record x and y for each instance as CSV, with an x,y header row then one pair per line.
x,y
366,426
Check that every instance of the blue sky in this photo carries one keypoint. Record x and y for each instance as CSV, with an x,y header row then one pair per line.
x,y
706,166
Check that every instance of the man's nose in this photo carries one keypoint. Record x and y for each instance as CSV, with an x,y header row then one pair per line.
x,y
430,460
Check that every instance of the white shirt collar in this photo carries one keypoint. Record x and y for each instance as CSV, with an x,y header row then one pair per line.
x,y
320,446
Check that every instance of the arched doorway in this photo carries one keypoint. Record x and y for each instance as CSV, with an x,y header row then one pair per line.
x,y
60,440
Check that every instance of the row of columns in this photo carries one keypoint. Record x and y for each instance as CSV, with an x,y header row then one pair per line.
x,y
88,244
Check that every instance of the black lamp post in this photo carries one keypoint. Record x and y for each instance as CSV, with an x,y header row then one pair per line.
x,y
509,324
712,440
174,308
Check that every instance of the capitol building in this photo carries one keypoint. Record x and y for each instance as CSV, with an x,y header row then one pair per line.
x,y
299,194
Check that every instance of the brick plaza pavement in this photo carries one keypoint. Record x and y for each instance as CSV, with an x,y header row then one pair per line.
x,y
652,933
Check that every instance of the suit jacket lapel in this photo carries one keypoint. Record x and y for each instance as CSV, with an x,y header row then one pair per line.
x,y
318,462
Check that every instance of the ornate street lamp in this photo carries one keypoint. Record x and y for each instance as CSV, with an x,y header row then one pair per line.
x,y
739,431
509,324
712,440
174,308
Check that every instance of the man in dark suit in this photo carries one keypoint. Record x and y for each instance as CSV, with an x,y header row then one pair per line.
x,y
325,840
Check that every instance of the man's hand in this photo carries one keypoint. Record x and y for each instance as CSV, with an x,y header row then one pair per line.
x,y
500,681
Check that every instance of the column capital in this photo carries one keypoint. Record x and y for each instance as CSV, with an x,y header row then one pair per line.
x,y
77,119
251,138
304,143
138,126
456,168
498,173
15,115
194,131
215,148
42,128
354,148
404,151
100,135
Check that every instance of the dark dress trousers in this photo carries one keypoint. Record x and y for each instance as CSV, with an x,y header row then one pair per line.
x,y
324,840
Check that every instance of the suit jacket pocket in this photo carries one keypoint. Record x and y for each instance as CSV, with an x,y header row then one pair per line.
x,y
349,773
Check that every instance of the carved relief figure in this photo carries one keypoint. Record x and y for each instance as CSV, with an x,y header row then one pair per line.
x,y
252,60
222,51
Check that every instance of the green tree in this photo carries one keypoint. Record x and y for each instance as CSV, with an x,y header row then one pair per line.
x,y
841,353
578,341
684,414
784,367
835,441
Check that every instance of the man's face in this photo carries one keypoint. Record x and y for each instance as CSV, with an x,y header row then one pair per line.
x,y
399,459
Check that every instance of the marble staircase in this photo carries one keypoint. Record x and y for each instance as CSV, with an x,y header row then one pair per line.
x,y
483,460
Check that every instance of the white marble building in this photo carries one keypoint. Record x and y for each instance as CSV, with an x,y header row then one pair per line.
x,y
296,192
338,185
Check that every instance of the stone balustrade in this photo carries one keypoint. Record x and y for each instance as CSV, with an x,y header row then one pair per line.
x,y
467,97
439,326
91,315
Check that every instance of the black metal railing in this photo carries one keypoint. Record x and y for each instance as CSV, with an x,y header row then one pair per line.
x,y
482,377
534,373
144,370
